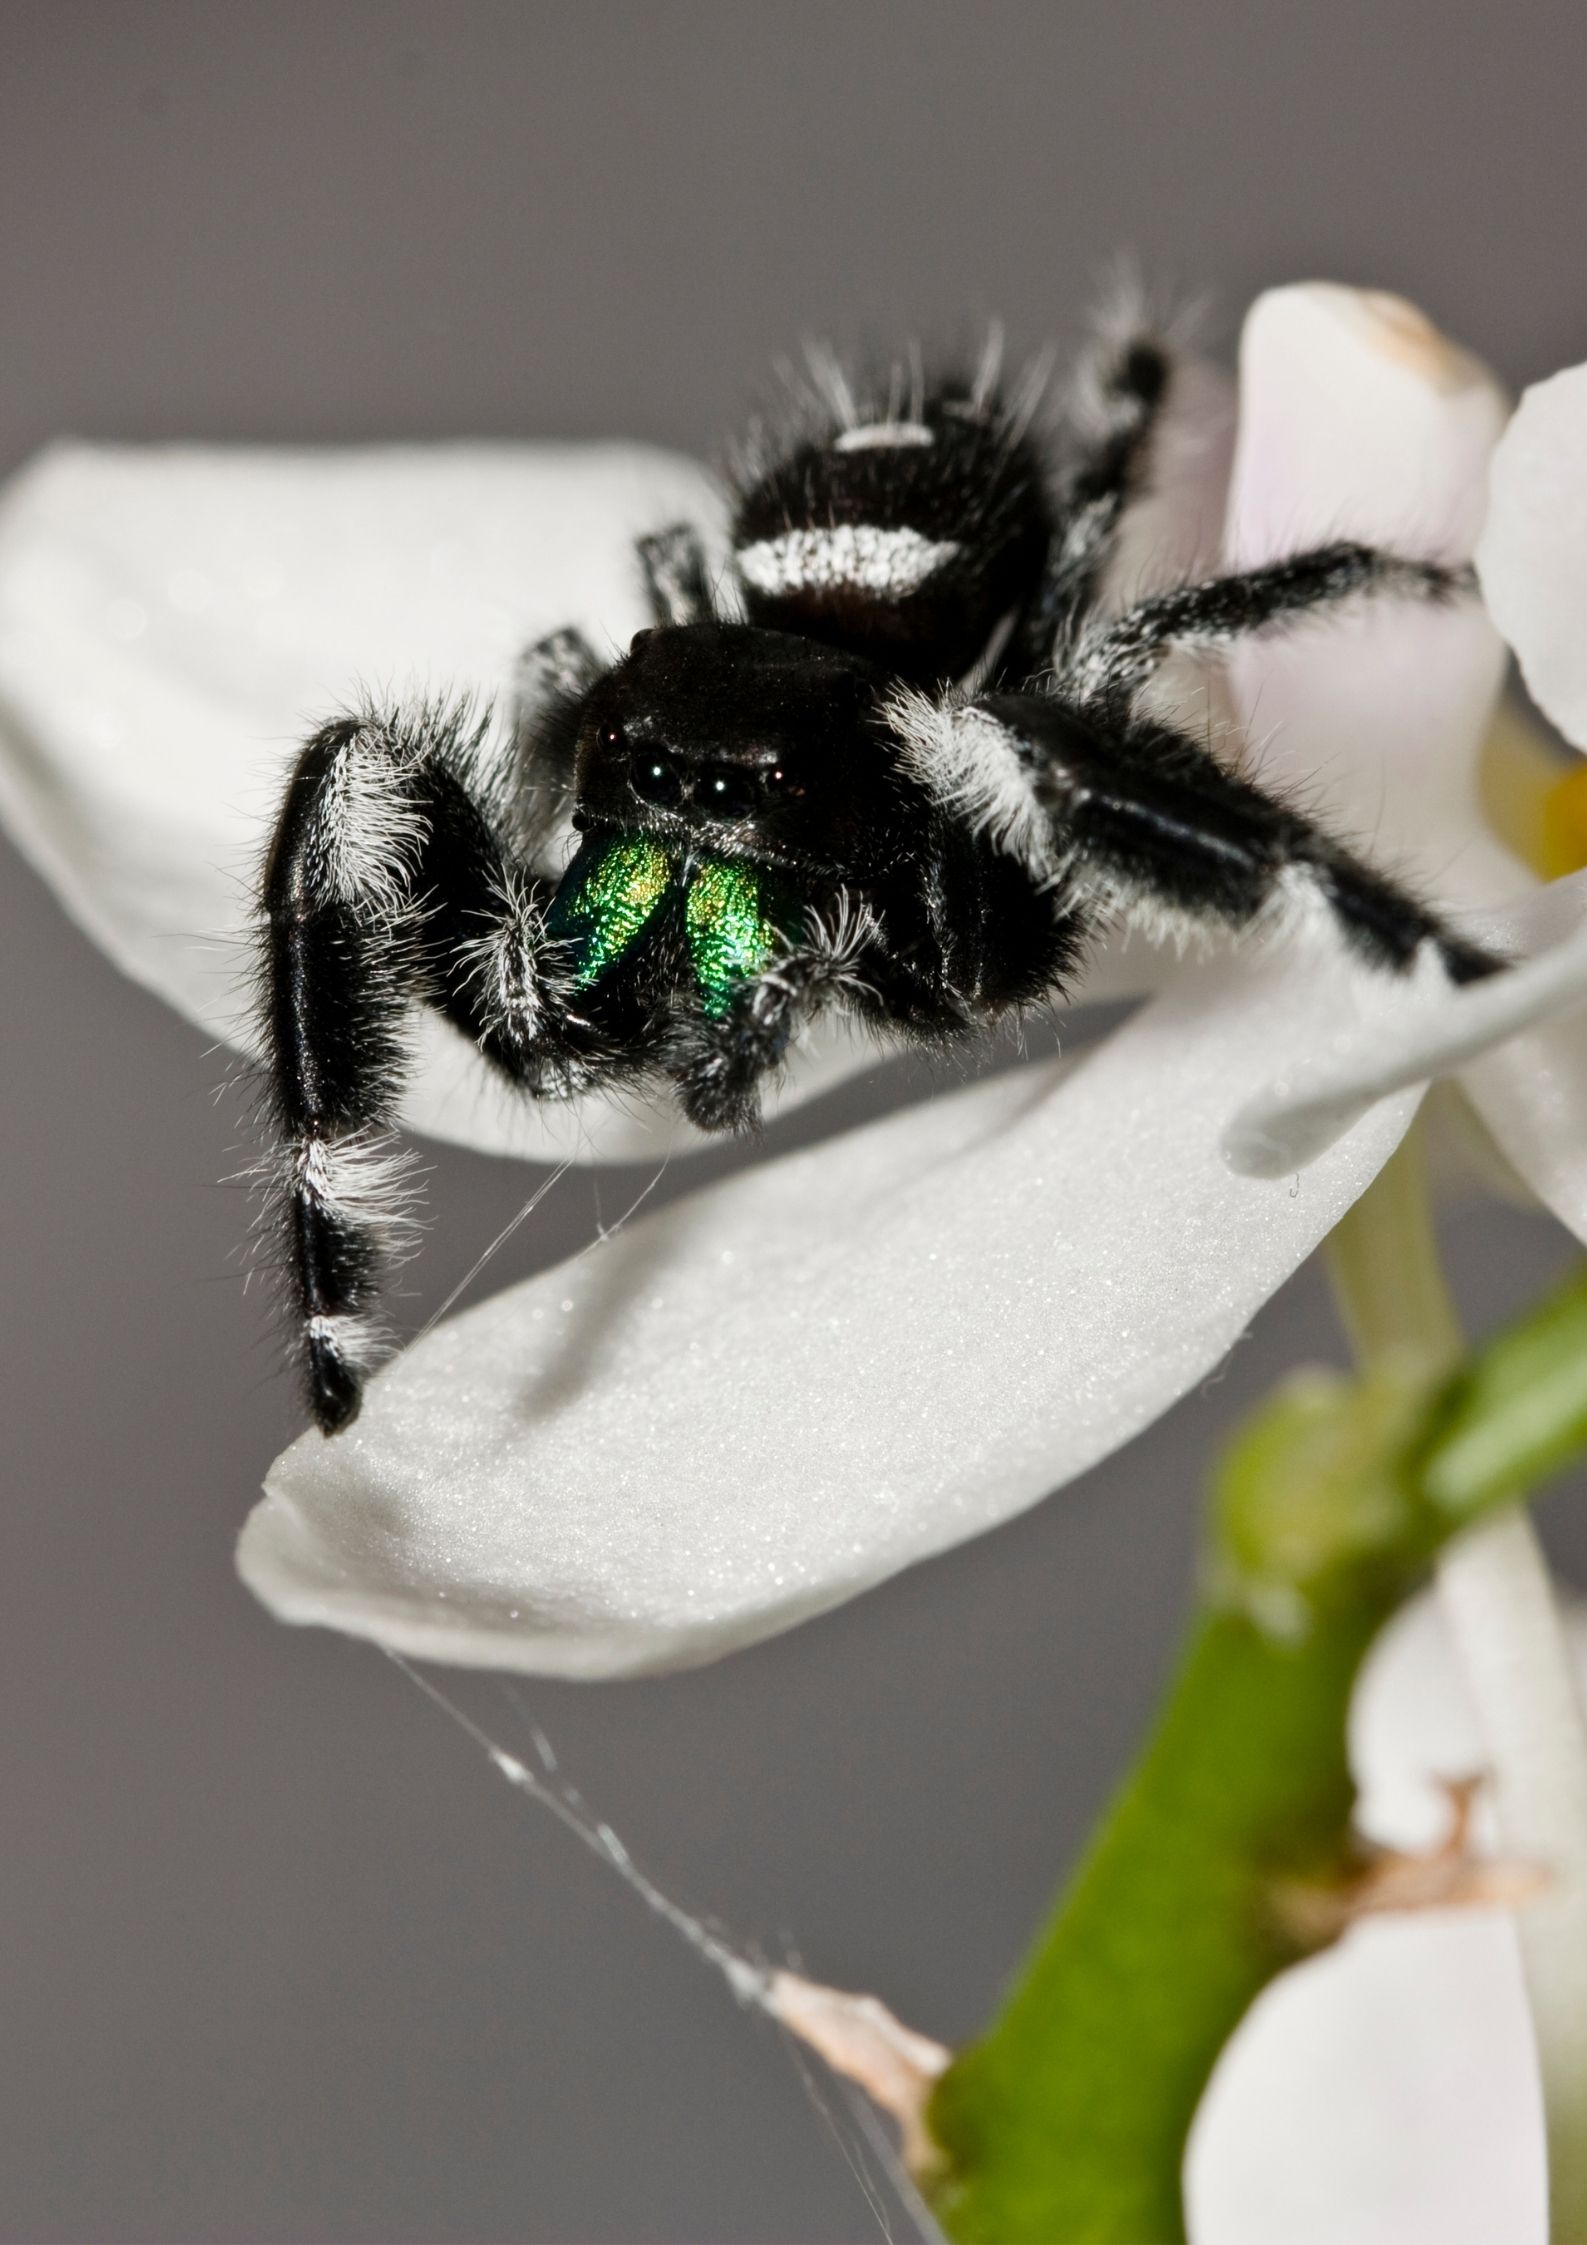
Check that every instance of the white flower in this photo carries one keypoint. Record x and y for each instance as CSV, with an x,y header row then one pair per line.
x,y
749,1407
1387,2092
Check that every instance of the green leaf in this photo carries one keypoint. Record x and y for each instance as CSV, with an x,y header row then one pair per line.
x,y
1517,1415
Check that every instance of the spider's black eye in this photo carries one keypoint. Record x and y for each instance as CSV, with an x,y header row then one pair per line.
x,y
610,737
654,779
780,784
727,793
639,639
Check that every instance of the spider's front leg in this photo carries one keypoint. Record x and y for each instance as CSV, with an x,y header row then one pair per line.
x,y
386,882
1128,813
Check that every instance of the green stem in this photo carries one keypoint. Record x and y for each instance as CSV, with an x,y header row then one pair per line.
x,y
1069,2120
1498,1603
1389,1279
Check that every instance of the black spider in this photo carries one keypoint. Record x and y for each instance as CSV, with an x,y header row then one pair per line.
x,y
910,778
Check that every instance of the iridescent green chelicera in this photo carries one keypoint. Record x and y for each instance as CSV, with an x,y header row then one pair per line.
x,y
602,916
731,916
732,933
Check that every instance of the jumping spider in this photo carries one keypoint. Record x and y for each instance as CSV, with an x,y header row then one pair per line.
x,y
898,763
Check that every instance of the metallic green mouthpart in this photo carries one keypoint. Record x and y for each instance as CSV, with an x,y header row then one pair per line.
x,y
728,911
602,913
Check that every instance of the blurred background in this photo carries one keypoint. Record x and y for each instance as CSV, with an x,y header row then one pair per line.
x,y
280,1957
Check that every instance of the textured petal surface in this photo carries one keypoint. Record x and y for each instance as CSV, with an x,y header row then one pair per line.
x,y
1533,554
172,621
757,1403
1358,420
1534,1088
1387,2092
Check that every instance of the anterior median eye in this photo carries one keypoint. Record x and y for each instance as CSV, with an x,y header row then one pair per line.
x,y
728,793
655,779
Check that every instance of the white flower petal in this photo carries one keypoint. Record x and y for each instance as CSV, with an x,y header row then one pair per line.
x,y
1387,2092
1358,420
758,1403
1532,1091
1305,1108
1532,557
172,620
1383,2094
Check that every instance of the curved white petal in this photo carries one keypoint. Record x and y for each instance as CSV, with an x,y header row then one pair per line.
x,y
1305,1108
1532,1091
173,619
1532,557
1358,420
752,1406
1387,2092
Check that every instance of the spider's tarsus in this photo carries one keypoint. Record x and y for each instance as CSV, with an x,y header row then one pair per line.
x,y
336,1392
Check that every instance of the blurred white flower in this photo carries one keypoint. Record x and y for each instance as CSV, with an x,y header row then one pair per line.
x,y
1387,2092
747,1408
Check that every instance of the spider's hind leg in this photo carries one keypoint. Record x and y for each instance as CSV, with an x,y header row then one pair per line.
x,y
677,581
1111,417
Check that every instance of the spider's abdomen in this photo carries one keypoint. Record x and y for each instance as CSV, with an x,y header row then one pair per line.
x,y
910,539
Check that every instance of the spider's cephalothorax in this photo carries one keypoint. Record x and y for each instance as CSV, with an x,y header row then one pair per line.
x,y
896,760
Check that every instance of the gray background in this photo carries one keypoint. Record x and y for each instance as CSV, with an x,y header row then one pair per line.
x,y
279,1957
